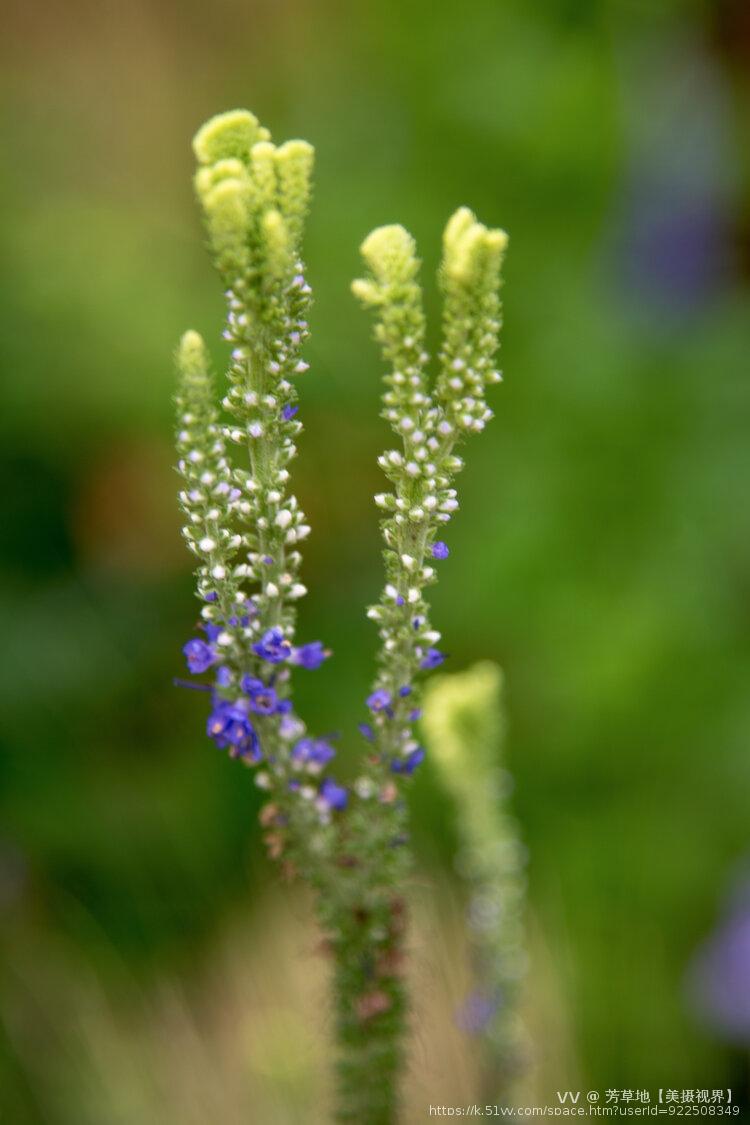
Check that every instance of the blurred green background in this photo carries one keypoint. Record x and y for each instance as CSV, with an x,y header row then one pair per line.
x,y
601,552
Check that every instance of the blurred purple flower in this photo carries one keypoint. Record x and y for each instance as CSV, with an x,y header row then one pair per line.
x,y
476,1012
719,977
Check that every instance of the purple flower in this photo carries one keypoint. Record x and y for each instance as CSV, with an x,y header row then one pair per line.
x,y
210,596
244,620
199,655
366,730
212,631
230,727
289,411
262,700
315,753
408,764
440,550
310,655
476,1012
273,646
719,978
415,715
223,676
432,659
405,690
333,795
380,700
289,726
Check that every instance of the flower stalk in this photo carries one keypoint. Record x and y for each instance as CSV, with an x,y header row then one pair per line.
x,y
245,527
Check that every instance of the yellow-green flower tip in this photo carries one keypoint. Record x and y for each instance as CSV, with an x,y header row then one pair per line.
x,y
497,240
391,254
225,205
463,256
263,172
194,366
295,151
228,135
468,246
191,352
462,716
262,150
366,291
457,225
208,176
276,239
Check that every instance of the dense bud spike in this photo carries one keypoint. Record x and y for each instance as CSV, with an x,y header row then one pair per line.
x,y
294,167
243,524
429,424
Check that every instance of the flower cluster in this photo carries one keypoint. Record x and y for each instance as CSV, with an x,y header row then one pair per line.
x,y
245,527
429,421
242,521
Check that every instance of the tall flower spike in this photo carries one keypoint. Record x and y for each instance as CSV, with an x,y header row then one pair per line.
x,y
429,426
243,522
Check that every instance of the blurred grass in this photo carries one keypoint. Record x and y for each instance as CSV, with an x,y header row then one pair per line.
x,y
601,553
